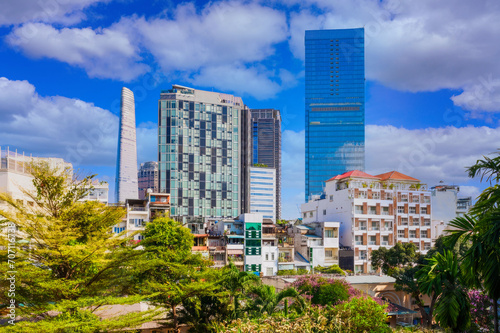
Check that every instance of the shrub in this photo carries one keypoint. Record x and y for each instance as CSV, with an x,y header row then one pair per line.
x,y
360,314
324,291
334,269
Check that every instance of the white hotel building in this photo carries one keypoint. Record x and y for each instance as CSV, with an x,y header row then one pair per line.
x,y
374,212
263,192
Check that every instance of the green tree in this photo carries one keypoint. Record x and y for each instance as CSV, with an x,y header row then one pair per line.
x,y
172,274
442,275
480,229
71,263
401,262
267,300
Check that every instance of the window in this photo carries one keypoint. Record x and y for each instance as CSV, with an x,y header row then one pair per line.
x,y
358,240
401,209
375,226
267,256
385,240
362,225
358,209
372,240
423,210
324,211
385,210
328,253
401,233
331,198
423,233
413,210
404,221
272,256
362,255
330,233
376,195
310,214
413,234
372,210
305,215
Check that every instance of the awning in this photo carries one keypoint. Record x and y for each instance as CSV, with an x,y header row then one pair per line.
x,y
394,309
235,236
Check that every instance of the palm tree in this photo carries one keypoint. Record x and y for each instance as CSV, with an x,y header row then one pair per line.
x,y
237,282
481,230
267,300
442,274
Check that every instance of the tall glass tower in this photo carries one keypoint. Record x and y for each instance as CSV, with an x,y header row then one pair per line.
x,y
335,105
126,169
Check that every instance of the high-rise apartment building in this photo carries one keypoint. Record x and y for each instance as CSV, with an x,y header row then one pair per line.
x,y
335,105
266,144
147,178
199,148
126,169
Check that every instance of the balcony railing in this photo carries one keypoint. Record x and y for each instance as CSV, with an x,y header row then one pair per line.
x,y
385,243
285,259
372,243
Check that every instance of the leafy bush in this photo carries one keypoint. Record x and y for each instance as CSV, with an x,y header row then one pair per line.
x,y
361,314
299,271
333,269
324,291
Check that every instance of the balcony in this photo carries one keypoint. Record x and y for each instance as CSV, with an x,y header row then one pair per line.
x,y
285,259
217,248
385,243
372,243
358,243
268,236
137,209
199,248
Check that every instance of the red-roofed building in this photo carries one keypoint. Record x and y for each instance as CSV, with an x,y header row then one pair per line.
x,y
373,211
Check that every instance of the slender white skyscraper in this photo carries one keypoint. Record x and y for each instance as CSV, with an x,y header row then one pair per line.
x,y
126,168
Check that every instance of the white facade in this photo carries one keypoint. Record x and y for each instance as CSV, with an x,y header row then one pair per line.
x,y
446,206
374,212
100,192
263,192
126,169
139,212
318,243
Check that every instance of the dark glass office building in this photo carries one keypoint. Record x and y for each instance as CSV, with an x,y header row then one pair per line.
x,y
335,105
266,144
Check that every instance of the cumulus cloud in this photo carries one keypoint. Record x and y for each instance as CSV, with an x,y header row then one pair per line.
x,y
51,11
223,45
240,79
417,46
223,32
72,129
103,53
431,154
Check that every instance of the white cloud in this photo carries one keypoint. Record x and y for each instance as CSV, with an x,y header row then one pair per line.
x,y
417,45
72,129
469,191
103,53
431,154
51,11
223,45
240,79
221,33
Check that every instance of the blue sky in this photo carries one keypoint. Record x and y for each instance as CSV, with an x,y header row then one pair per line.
x,y
432,71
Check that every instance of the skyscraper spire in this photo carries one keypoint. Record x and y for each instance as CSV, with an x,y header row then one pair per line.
x,y
126,168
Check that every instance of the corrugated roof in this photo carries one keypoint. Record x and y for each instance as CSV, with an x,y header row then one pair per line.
x,y
395,175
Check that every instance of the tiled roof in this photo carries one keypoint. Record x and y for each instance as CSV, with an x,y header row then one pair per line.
x,y
352,174
394,175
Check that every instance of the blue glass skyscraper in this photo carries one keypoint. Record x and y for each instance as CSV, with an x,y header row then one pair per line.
x,y
335,105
